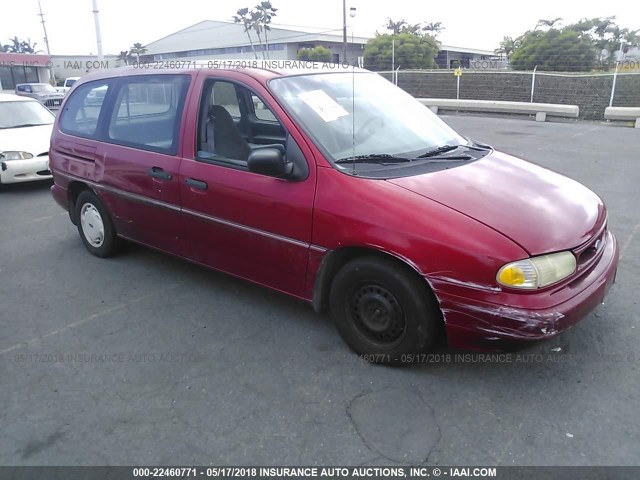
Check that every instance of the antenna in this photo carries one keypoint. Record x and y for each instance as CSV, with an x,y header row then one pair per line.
x,y
352,13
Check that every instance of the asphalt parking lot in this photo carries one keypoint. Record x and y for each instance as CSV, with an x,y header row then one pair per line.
x,y
145,359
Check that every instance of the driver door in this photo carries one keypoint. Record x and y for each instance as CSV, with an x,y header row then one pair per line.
x,y
254,226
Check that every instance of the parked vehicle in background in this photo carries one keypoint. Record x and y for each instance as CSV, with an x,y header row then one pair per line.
x,y
340,189
96,96
66,86
25,133
43,92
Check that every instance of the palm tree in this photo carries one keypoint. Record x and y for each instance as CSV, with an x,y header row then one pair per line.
x,y
256,25
547,23
242,16
125,56
21,46
395,27
433,27
138,50
266,13
507,46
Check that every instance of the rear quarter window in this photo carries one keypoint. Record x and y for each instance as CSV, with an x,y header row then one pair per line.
x,y
82,110
147,112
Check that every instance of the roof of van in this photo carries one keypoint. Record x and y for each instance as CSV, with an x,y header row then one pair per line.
x,y
280,68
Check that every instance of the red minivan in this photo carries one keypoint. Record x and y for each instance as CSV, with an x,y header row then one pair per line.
x,y
338,188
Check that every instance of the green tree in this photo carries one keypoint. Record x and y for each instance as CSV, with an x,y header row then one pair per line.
x,y
554,50
317,54
631,39
606,36
402,26
411,51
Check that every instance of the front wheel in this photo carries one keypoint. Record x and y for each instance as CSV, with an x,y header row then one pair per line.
x,y
383,311
94,225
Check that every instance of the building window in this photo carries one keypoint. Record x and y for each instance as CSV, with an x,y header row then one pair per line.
x,y
10,76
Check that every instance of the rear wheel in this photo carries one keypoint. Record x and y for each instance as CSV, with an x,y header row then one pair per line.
x,y
383,311
95,226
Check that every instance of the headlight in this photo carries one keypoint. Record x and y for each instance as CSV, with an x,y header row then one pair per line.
x,y
16,155
537,272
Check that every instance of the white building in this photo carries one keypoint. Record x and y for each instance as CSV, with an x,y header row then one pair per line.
x,y
217,40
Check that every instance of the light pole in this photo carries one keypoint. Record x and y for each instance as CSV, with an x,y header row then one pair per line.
x,y
344,30
96,20
352,14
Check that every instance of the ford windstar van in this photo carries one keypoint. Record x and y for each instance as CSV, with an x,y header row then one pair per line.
x,y
338,188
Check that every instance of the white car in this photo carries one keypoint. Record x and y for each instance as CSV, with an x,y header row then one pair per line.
x,y
68,83
25,133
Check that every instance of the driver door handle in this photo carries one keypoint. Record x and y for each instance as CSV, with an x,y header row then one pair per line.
x,y
197,184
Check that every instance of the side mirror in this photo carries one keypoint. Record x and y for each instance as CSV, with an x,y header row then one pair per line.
x,y
269,161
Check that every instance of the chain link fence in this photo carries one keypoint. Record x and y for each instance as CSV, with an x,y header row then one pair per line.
x,y
591,92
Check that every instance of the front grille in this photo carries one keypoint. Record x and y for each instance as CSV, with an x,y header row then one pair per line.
x,y
54,102
588,253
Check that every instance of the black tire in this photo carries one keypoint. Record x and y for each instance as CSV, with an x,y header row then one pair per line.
x,y
383,310
87,204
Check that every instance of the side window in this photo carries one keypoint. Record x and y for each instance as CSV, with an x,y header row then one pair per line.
x,y
224,94
82,110
227,141
262,111
147,112
226,134
20,88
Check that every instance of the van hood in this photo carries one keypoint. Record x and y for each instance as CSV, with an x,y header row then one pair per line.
x,y
540,210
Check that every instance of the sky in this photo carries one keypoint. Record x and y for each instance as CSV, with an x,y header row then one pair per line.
x,y
477,24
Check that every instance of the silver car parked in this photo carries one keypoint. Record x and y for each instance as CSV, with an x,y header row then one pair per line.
x,y
43,92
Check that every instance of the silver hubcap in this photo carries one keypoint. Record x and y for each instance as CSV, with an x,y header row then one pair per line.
x,y
92,225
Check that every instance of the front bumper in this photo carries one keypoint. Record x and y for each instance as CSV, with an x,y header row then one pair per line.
x,y
18,171
477,324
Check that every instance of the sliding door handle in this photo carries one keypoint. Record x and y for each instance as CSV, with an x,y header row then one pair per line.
x,y
157,172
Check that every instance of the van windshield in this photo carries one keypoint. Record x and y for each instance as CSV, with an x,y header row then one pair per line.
x,y
362,115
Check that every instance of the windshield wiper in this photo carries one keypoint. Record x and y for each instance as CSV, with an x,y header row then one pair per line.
x,y
439,150
374,158
475,145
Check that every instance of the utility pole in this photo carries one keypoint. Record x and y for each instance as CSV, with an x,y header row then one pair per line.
x,y
46,38
344,29
96,19
46,41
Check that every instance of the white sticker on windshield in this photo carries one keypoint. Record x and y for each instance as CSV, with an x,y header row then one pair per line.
x,y
325,106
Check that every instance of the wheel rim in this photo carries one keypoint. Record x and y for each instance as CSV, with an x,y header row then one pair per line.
x,y
92,225
377,315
